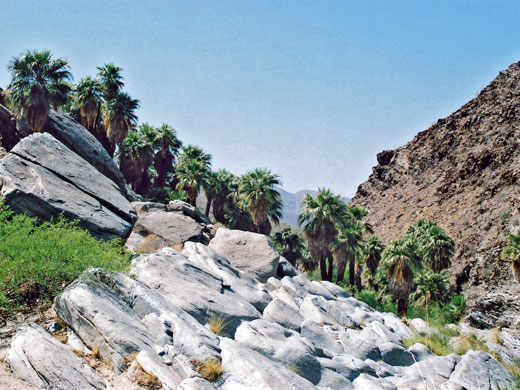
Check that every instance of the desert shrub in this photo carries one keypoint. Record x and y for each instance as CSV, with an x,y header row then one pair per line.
x,y
38,259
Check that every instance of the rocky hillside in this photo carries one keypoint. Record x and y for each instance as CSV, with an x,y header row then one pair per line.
x,y
156,329
463,172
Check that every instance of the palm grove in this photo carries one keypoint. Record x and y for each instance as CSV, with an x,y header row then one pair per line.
x,y
157,166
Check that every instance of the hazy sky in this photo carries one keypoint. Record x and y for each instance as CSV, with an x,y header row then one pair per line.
x,y
311,89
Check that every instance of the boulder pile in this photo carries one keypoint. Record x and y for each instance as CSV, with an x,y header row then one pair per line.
x,y
287,333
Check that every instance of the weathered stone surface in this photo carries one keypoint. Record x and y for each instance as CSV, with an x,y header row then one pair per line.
x,y
249,252
152,364
235,281
84,144
285,268
38,358
427,374
364,382
283,314
478,370
395,354
192,288
195,384
43,178
251,370
281,345
189,210
332,380
102,319
322,338
157,228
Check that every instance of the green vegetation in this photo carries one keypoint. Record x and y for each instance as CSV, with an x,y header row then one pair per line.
x,y
512,252
258,195
292,246
38,259
38,83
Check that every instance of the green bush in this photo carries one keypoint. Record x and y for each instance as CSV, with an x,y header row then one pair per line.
x,y
38,259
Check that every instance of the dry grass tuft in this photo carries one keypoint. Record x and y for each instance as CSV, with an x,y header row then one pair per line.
x,y
145,379
217,325
61,335
493,335
210,370
95,353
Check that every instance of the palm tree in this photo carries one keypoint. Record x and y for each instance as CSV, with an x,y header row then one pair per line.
x,y
512,252
190,175
111,80
357,214
119,117
192,152
291,245
371,252
211,186
430,286
401,258
436,247
319,218
258,194
135,157
38,84
88,98
226,186
345,248
167,146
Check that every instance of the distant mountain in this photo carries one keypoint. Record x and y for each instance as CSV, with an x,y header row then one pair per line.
x,y
292,204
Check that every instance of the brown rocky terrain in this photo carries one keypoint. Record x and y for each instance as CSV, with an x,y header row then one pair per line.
x,y
462,172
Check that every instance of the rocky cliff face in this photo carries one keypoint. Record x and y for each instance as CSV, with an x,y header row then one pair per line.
x,y
463,172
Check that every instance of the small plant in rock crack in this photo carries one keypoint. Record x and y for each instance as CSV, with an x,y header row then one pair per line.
x,y
210,370
217,325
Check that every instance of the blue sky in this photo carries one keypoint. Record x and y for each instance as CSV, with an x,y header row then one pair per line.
x,y
310,89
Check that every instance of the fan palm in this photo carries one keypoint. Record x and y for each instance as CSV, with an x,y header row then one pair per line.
x,y
192,152
435,246
88,98
371,251
430,286
223,199
111,80
135,157
345,248
38,83
291,245
167,146
258,194
211,186
512,252
319,218
401,258
120,116
191,174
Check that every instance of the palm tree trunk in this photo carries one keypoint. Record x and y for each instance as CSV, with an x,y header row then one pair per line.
x,y
208,205
331,267
351,269
323,268
402,307
358,277
341,271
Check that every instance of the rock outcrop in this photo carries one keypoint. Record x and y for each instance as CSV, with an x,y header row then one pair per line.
x,y
43,178
249,252
462,172
159,322
159,226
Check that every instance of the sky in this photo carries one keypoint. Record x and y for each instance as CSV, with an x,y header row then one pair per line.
x,y
312,90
